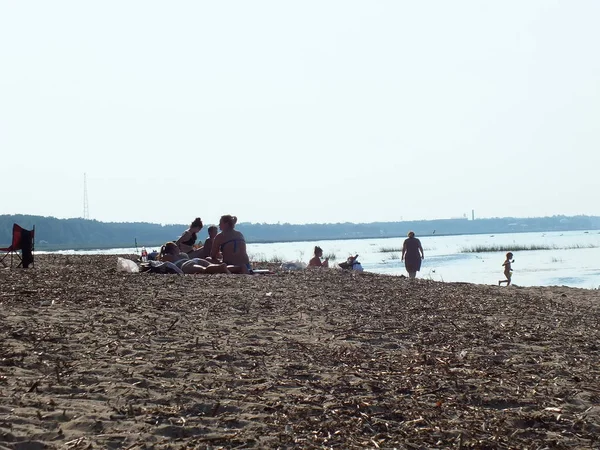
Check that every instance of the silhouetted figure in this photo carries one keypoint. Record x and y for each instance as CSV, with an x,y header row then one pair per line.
x,y
412,255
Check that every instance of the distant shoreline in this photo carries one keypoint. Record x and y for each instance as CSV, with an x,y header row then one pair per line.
x,y
43,248
54,234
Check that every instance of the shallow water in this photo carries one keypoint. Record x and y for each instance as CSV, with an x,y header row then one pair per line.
x,y
445,261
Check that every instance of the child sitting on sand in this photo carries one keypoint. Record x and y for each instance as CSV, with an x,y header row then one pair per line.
x,y
507,269
204,251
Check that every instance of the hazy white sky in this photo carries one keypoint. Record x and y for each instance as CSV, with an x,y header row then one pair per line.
x,y
307,111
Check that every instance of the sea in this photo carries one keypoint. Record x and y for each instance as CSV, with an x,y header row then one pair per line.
x,y
568,259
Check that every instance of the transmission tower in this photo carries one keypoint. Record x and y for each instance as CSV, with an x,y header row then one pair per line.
x,y
86,211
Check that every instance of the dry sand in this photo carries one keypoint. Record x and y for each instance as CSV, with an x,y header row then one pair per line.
x,y
92,358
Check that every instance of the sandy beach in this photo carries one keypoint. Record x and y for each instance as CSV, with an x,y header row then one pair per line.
x,y
93,358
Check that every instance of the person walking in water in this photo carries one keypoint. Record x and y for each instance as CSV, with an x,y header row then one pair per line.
x,y
316,260
507,269
412,254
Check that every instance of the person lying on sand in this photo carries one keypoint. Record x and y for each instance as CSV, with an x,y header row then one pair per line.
x,y
171,253
316,260
232,245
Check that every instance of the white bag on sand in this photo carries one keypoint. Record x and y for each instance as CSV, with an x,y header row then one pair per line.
x,y
126,265
358,267
293,265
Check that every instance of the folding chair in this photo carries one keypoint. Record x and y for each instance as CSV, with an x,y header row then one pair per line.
x,y
23,240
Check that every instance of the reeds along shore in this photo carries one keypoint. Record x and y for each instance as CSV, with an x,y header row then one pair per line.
x,y
522,248
92,358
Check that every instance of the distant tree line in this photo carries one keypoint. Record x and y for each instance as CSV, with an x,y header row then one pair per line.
x,y
53,233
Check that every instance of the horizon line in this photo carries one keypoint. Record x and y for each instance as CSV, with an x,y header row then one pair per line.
x,y
466,219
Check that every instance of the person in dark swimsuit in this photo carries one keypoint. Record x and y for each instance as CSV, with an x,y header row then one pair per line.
x,y
231,244
412,254
187,240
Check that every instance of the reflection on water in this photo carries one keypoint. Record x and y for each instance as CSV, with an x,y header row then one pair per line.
x,y
571,261
567,281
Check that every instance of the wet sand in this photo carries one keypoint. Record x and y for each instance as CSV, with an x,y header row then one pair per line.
x,y
93,358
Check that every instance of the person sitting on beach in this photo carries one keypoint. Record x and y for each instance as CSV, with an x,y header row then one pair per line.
x,y
170,253
316,260
232,245
186,241
204,251
352,264
507,269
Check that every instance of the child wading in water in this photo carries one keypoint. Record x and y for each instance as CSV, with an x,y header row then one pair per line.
x,y
507,269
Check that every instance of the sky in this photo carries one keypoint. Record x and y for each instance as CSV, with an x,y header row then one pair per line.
x,y
303,112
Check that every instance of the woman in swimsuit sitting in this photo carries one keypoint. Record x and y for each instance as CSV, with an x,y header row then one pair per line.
x,y
186,241
232,245
316,260
171,253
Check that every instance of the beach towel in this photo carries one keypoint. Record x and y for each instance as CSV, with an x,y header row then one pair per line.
x,y
262,272
160,267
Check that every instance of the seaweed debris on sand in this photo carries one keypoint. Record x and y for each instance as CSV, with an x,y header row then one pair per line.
x,y
94,358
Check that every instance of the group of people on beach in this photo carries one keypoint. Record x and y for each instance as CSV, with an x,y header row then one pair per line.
x,y
317,261
225,252
412,255
222,252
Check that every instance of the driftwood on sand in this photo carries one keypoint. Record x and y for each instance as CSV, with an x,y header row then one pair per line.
x,y
93,358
